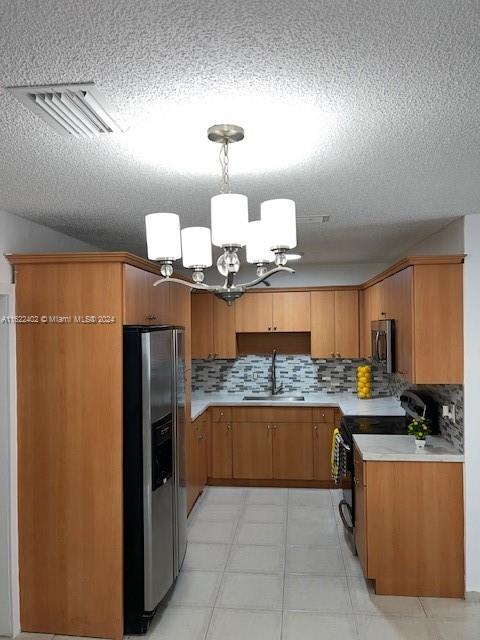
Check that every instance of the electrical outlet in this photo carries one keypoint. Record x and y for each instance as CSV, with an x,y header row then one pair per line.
x,y
448,411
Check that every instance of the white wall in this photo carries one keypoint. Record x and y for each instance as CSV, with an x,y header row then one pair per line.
x,y
307,275
449,240
472,405
17,235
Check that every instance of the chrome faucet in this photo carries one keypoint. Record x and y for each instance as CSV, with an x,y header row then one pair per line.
x,y
274,389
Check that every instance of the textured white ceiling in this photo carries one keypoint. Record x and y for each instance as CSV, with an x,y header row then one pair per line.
x,y
378,102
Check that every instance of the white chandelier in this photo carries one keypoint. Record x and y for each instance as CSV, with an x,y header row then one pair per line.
x,y
267,240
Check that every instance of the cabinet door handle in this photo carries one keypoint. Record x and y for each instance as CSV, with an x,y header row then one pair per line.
x,y
333,354
268,427
338,355
315,428
200,437
229,426
150,316
269,328
274,328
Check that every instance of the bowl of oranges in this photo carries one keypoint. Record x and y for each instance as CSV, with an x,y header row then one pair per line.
x,y
364,382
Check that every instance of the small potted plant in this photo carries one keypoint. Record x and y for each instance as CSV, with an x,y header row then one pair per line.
x,y
420,428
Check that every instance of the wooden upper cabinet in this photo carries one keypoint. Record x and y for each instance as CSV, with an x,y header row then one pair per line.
x,y
224,337
254,313
346,324
438,324
334,324
322,324
181,314
213,328
292,451
371,308
142,302
202,326
398,306
137,307
291,311
281,311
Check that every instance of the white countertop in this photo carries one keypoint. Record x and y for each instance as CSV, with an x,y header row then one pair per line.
x,y
403,449
347,402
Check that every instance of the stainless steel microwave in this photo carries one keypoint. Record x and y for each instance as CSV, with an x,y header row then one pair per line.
x,y
382,333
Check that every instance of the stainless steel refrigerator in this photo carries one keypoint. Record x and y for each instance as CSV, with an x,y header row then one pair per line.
x,y
155,505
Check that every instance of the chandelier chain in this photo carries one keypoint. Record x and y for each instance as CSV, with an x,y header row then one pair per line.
x,y
224,162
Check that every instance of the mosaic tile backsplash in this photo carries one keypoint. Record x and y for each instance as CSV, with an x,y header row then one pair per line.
x,y
297,373
302,374
451,430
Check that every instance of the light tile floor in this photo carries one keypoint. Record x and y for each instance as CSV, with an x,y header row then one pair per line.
x,y
272,564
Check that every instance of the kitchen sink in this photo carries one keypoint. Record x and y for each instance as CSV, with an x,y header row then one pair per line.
x,y
276,398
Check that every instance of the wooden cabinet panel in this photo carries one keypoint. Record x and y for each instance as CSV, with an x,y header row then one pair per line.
x,y
323,414
414,528
292,451
202,326
291,311
224,337
197,458
271,414
438,324
70,442
221,414
180,314
159,300
346,324
254,313
322,450
137,296
191,460
252,450
221,450
322,320
213,328
361,513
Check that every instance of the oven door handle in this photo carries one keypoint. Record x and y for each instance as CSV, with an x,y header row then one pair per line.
x,y
344,503
344,445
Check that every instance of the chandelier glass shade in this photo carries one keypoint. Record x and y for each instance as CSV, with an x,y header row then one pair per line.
x,y
266,240
229,217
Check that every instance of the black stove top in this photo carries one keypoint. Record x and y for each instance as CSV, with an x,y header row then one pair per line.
x,y
395,425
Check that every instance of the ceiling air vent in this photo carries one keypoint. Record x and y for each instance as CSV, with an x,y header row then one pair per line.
x,y
76,110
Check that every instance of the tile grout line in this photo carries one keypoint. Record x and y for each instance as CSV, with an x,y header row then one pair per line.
x,y
284,567
239,517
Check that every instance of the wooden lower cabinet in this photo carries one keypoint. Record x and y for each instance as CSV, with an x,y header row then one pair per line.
x,y
197,458
360,513
292,451
252,450
272,444
221,450
409,529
